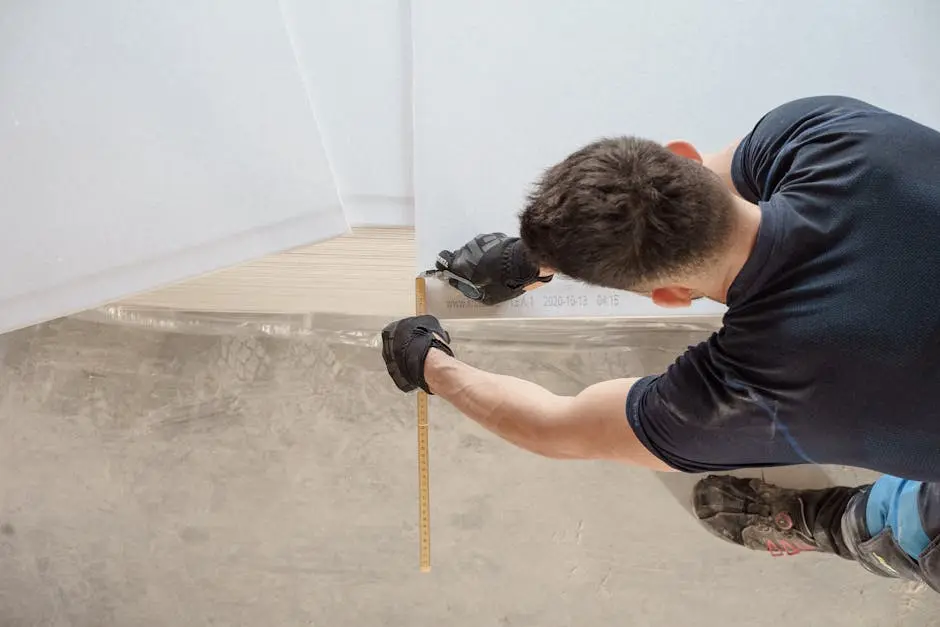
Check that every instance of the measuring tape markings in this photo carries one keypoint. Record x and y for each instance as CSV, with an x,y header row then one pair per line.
x,y
424,490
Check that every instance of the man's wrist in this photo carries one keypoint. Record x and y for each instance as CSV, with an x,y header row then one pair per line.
x,y
434,365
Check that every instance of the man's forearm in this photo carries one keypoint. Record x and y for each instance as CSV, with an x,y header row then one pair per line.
x,y
516,410
591,425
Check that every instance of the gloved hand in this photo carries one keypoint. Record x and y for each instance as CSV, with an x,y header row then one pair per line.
x,y
495,264
405,346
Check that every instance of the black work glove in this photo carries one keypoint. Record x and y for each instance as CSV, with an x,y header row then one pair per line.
x,y
491,268
406,344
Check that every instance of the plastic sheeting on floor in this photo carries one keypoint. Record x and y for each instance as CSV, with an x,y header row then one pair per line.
x,y
158,468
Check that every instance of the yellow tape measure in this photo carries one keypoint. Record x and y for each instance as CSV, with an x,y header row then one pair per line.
x,y
424,480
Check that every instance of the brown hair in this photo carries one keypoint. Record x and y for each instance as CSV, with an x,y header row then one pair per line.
x,y
625,213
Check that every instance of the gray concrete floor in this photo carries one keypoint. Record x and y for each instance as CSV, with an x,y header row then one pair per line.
x,y
153,478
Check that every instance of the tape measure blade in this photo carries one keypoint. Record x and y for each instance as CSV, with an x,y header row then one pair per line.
x,y
424,488
424,501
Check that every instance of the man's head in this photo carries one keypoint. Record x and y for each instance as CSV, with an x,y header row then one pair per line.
x,y
630,214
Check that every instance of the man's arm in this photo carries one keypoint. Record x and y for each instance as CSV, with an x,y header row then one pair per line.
x,y
698,416
591,425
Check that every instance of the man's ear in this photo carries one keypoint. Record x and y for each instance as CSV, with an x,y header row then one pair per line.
x,y
684,149
672,297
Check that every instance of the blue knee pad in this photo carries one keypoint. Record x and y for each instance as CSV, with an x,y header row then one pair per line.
x,y
893,529
893,503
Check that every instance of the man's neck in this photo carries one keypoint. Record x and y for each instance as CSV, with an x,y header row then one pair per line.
x,y
743,239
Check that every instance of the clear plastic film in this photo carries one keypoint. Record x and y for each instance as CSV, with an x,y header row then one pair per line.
x,y
356,338
270,458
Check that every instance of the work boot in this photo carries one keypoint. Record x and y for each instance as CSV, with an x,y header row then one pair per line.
x,y
761,516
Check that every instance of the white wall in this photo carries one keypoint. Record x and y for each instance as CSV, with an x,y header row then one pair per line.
x,y
355,56
142,143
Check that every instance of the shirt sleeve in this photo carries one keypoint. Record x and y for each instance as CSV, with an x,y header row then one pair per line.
x,y
701,416
764,157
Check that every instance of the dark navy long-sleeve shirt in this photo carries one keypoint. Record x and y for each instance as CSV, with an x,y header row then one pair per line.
x,y
830,349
